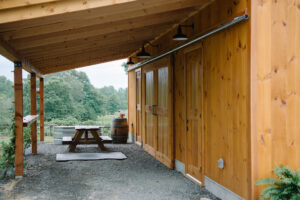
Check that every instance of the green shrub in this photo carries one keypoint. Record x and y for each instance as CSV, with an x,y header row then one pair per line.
x,y
26,137
7,159
285,187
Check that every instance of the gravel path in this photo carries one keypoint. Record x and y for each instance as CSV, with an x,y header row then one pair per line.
x,y
139,177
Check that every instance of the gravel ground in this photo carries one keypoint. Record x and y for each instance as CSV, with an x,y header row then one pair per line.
x,y
139,177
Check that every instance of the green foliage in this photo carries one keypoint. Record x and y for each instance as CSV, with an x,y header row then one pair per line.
x,y
68,121
7,159
6,105
26,137
285,187
70,94
125,66
112,104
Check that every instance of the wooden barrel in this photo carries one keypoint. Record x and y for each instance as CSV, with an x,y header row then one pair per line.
x,y
119,130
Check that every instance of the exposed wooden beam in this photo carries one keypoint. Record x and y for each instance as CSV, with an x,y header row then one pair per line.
x,y
18,91
54,8
7,51
107,28
33,112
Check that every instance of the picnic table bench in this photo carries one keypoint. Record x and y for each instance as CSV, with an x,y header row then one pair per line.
x,y
84,130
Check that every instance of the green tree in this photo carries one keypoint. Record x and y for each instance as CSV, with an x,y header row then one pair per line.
x,y
58,100
112,104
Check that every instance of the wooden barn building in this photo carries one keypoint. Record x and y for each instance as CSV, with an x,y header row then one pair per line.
x,y
214,91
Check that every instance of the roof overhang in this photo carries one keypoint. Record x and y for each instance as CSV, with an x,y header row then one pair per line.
x,y
55,35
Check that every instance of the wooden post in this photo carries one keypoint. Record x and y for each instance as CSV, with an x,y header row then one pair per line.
x,y
33,112
18,90
42,109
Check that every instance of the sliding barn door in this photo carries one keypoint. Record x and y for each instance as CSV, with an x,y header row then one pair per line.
x,y
193,62
159,118
150,120
138,106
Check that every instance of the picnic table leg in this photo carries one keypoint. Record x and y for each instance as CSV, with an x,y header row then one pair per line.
x,y
98,139
75,140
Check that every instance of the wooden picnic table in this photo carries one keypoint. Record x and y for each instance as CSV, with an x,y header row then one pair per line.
x,y
78,139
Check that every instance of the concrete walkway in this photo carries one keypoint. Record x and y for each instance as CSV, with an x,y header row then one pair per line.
x,y
139,177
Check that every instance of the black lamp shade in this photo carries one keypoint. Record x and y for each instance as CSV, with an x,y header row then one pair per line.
x,y
143,54
130,62
179,36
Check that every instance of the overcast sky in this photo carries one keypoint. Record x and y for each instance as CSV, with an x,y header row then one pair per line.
x,y
100,75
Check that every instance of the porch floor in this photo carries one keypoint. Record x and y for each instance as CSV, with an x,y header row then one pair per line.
x,y
140,176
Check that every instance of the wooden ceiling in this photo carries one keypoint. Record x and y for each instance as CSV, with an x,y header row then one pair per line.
x,y
54,35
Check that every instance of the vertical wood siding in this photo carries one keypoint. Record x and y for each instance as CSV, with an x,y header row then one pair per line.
x,y
275,102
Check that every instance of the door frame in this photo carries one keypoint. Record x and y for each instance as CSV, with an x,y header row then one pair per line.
x,y
185,51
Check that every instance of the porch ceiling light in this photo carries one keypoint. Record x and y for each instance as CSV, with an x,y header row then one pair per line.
x,y
130,62
143,54
179,36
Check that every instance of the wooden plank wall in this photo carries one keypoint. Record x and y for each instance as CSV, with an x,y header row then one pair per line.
x,y
275,93
131,102
227,108
226,101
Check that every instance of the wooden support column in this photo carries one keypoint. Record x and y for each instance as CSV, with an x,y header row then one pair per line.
x,y
33,112
42,116
18,92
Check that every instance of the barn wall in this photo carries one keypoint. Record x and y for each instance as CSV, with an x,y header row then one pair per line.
x,y
132,102
226,99
226,108
275,102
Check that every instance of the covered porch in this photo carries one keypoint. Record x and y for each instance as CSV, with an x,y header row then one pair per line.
x,y
213,86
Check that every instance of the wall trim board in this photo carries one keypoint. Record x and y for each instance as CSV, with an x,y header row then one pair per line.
x,y
219,190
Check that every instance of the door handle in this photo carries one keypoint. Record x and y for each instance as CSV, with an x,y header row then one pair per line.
x,y
154,110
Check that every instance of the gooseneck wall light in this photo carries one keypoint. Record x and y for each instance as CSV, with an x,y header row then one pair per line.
x,y
179,36
129,62
143,53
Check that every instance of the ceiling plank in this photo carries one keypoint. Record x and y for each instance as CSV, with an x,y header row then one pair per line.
x,y
96,59
43,58
108,28
116,42
129,35
8,4
84,63
97,16
54,8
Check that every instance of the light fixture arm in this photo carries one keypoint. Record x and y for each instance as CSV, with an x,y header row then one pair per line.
x,y
188,26
156,46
